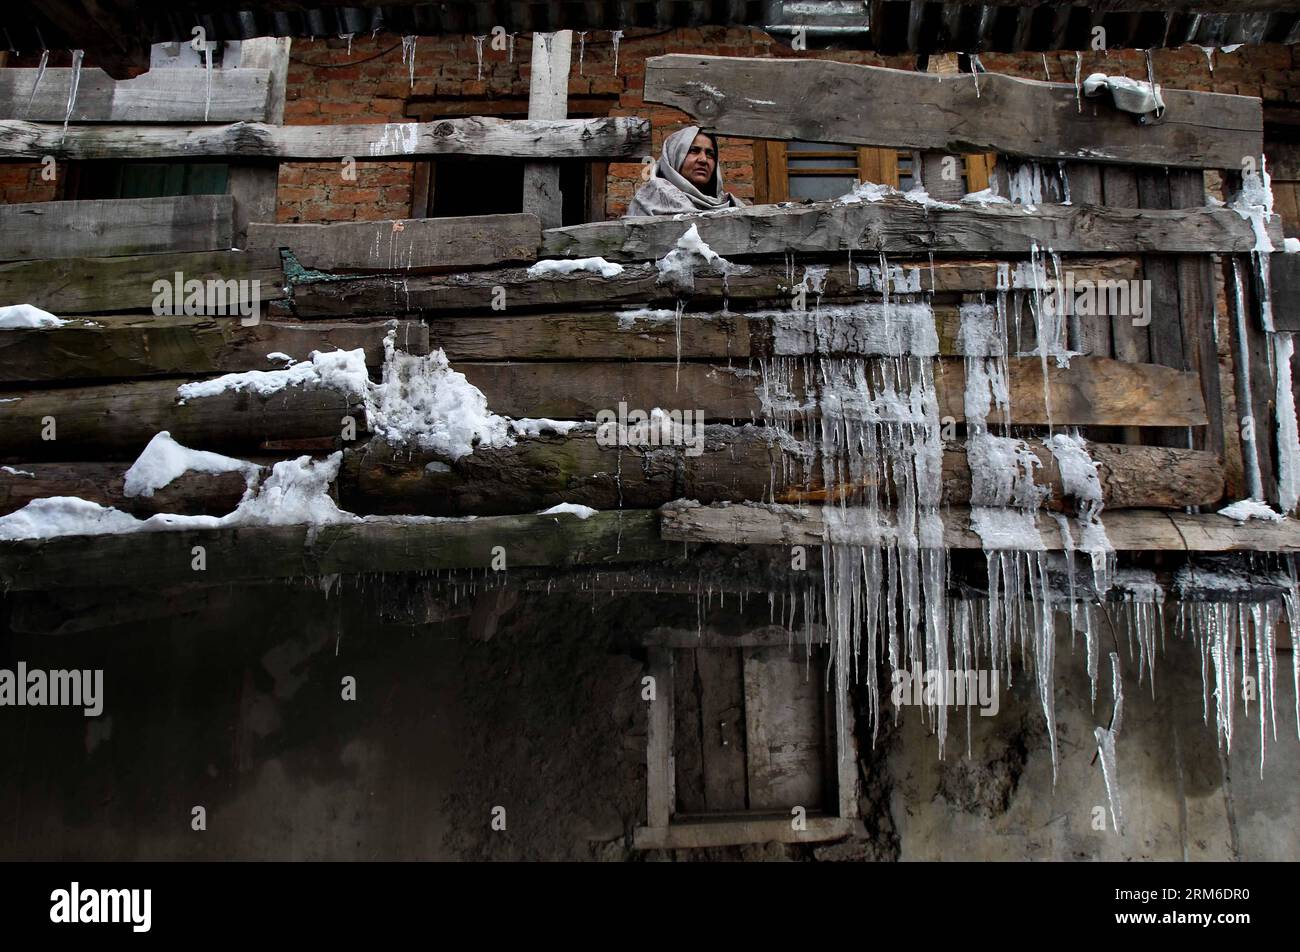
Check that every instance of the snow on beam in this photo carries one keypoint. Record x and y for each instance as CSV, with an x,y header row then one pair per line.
x,y
303,551
824,101
1133,530
896,226
608,138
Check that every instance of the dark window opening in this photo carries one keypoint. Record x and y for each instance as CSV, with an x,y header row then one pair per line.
x,y
111,179
483,185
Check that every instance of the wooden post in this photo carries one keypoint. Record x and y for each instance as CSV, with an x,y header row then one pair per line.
x,y
254,185
548,98
660,780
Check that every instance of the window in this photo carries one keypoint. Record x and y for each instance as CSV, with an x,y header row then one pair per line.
x,y
453,186
795,171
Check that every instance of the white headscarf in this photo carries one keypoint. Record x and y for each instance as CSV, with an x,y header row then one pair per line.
x,y
669,192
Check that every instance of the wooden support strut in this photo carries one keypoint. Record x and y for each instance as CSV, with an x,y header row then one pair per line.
x,y
548,97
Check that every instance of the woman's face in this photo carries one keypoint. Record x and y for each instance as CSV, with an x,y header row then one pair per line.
x,y
697,168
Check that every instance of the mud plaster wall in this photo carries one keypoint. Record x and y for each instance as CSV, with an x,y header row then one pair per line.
x,y
235,705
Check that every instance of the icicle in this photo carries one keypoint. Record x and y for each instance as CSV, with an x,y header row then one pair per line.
x,y
975,71
582,49
1106,747
1151,79
40,74
1065,182
1288,432
1254,480
1209,57
348,37
1078,82
408,55
1047,73
478,54
207,66
74,84
614,38
510,47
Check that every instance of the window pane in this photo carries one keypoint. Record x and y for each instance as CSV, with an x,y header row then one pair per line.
x,y
821,187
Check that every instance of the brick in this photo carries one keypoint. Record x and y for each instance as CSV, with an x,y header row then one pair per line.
x,y
353,195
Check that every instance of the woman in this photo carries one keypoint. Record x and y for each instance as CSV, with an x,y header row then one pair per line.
x,y
687,178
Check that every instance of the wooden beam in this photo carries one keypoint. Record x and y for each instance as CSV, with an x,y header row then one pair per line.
x,y
180,95
406,245
548,98
373,547
638,286
712,832
117,347
103,285
116,421
608,138
825,101
1134,530
103,483
660,774
730,464
255,186
658,334
897,226
110,227
1091,391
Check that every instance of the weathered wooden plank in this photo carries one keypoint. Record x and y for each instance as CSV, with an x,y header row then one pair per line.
x,y
104,285
785,748
653,334
764,636
190,494
729,464
548,98
103,228
1091,391
638,286
116,421
255,186
1252,379
303,551
741,830
660,770
113,347
688,755
406,245
824,101
607,138
238,95
1165,331
1196,293
722,725
894,225
1133,530
1284,276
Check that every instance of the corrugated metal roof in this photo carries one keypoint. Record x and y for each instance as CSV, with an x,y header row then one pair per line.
x,y
120,30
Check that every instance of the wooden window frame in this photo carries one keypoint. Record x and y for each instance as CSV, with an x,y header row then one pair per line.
x,y
772,170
